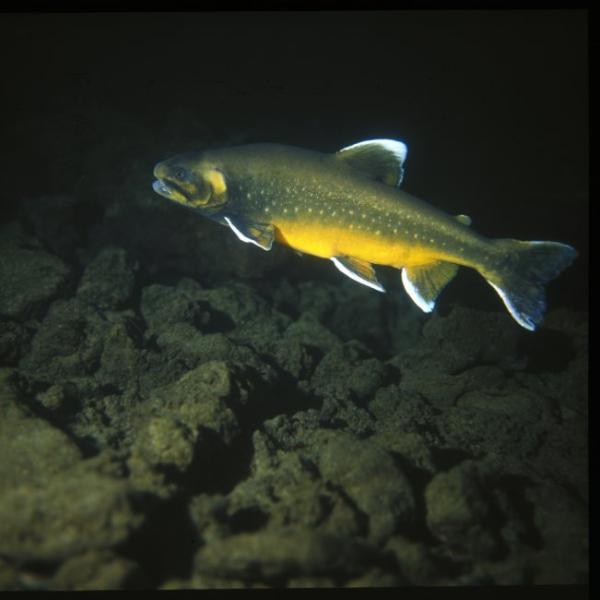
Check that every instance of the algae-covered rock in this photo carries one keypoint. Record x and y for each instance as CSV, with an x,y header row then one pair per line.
x,y
76,511
463,339
31,278
413,559
283,552
410,445
32,450
193,415
376,578
14,339
162,306
369,476
310,332
343,372
198,399
67,344
507,426
399,411
457,512
96,570
562,521
108,281
119,361
284,488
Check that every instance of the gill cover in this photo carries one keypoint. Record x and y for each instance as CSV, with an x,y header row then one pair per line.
x,y
211,189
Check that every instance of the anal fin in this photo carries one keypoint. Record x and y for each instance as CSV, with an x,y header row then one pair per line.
x,y
359,270
259,234
423,284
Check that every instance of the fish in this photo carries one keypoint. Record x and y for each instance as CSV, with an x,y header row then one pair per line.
x,y
349,207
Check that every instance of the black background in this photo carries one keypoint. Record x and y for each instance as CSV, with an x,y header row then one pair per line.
x,y
493,105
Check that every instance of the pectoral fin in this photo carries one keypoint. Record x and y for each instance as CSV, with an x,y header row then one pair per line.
x,y
423,284
359,270
259,234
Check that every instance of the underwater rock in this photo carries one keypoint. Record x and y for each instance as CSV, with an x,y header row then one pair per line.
x,y
344,373
162,306
31,279
108,281
508,427
32,450
208,513
284,487
309,331
198,399
463,339
119,361
413,559
10,576
410,445
369,476
457,510
194,420
396,410
563,523
67,344
294,357
97,570
353,312
376,578
274,553
187,344
163,448
75,511
14,339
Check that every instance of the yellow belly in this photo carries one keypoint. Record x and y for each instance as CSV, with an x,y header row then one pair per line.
x,y
327,241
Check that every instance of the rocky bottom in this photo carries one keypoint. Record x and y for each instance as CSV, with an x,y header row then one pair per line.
x,y
186,432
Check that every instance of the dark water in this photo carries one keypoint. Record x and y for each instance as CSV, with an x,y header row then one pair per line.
x,y
276,416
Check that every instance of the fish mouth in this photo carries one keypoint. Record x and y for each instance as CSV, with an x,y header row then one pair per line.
x,y
160,187
170,190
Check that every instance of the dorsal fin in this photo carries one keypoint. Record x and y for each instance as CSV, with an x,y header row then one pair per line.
x,y
381,160
464,219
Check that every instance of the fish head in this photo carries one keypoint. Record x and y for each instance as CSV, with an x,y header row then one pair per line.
x,y
191,180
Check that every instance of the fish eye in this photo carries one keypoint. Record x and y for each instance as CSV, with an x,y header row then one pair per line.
x,y
179,173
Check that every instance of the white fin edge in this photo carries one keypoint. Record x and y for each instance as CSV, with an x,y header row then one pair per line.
x,y
412,291
356,277
241,236
398,149
511,309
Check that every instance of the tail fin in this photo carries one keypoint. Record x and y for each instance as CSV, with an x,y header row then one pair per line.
x,y
524,269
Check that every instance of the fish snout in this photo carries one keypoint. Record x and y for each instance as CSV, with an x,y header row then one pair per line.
x,y
160,170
